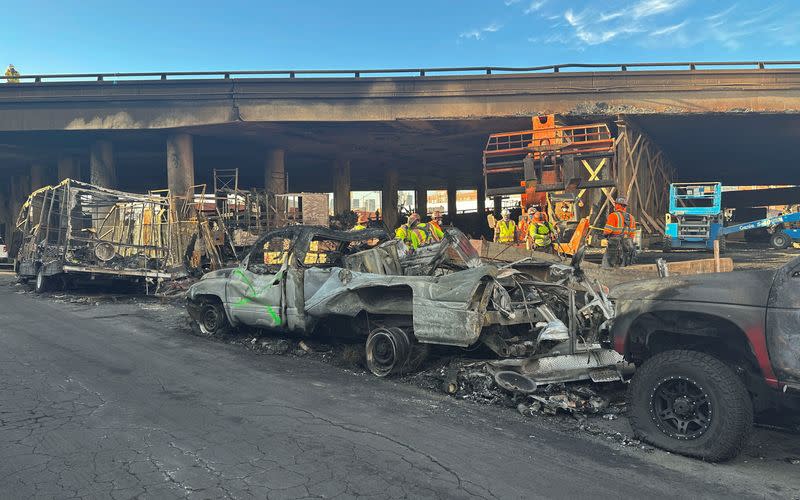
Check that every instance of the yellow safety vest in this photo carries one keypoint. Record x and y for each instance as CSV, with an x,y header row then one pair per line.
x,y
358,227
506,231
541,233
436,233
413,236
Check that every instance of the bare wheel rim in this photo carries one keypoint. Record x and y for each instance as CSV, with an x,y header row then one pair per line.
x,y
681,408
210,319
382,353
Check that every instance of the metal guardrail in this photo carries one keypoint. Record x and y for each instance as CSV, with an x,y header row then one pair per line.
x,y
418,72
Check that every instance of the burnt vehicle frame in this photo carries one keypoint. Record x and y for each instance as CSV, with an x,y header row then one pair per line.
x,y
711,352
75,230
400,301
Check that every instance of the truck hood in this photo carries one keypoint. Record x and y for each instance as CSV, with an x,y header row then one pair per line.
x,y
746,288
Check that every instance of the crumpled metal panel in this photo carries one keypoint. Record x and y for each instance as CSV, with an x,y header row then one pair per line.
x,y
440,305
569,367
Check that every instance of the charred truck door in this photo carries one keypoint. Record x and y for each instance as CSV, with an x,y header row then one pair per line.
x,y
783,323
256,289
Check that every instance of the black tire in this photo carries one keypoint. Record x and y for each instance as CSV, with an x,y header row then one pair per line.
x,y
690,403
723,246
780,240
42,282
666,247
389,351
212,320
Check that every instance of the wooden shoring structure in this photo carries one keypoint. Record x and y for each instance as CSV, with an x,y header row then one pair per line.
x,y
643,174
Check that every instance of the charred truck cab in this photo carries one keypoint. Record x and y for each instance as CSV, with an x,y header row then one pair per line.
x,y
711,350
299,278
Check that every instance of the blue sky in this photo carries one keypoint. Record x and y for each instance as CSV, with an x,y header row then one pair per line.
x,y
118,36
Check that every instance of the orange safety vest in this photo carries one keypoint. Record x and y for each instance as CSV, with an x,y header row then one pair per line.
x,y
619,223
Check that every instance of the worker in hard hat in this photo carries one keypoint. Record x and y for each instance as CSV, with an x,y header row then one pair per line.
x,y
412,232
434,226
505,231
12,75
361,223
619,231
541,233
524,221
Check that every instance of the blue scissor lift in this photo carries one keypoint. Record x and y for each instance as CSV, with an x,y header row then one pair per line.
x,y
695,217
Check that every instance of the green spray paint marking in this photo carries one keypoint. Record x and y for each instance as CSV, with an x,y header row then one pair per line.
x,y
251,294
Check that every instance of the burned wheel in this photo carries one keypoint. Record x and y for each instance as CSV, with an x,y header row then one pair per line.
x,y
388,351
691,403
211,319
42,282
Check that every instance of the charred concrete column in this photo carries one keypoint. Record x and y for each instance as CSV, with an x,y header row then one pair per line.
x,y
38,176
180,164
68,168
341,186
452,207
275,171
391,181
275,181
421,196
101,165
498,205
481,198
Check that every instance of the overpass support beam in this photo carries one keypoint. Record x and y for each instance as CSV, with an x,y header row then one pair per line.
x,y
452,198
102,171
68,168
481,198
391,181
275,171
39,176
180,164
341,186
421,197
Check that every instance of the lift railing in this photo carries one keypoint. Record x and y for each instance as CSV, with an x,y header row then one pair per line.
x,y
578,138
413,72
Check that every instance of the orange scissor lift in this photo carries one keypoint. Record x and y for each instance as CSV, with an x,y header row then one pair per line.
x,y
552,165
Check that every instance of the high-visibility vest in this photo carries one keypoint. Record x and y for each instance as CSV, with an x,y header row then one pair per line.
x,y
413,236
12,73
435,232
619,224
359,227
522,227
540,233
506,231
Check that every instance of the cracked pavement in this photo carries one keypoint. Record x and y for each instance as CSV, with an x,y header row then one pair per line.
x,y
112,401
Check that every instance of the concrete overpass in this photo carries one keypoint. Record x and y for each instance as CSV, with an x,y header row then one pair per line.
x,y
385,129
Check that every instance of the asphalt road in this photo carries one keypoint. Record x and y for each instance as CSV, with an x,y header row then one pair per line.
x,y
110,401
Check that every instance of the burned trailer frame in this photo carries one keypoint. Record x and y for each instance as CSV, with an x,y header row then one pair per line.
x,y
78,229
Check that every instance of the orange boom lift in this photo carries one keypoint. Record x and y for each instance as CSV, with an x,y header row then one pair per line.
x,y
551,165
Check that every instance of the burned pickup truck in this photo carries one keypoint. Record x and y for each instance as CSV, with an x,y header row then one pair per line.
x,y
710,350
75,230
305,278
